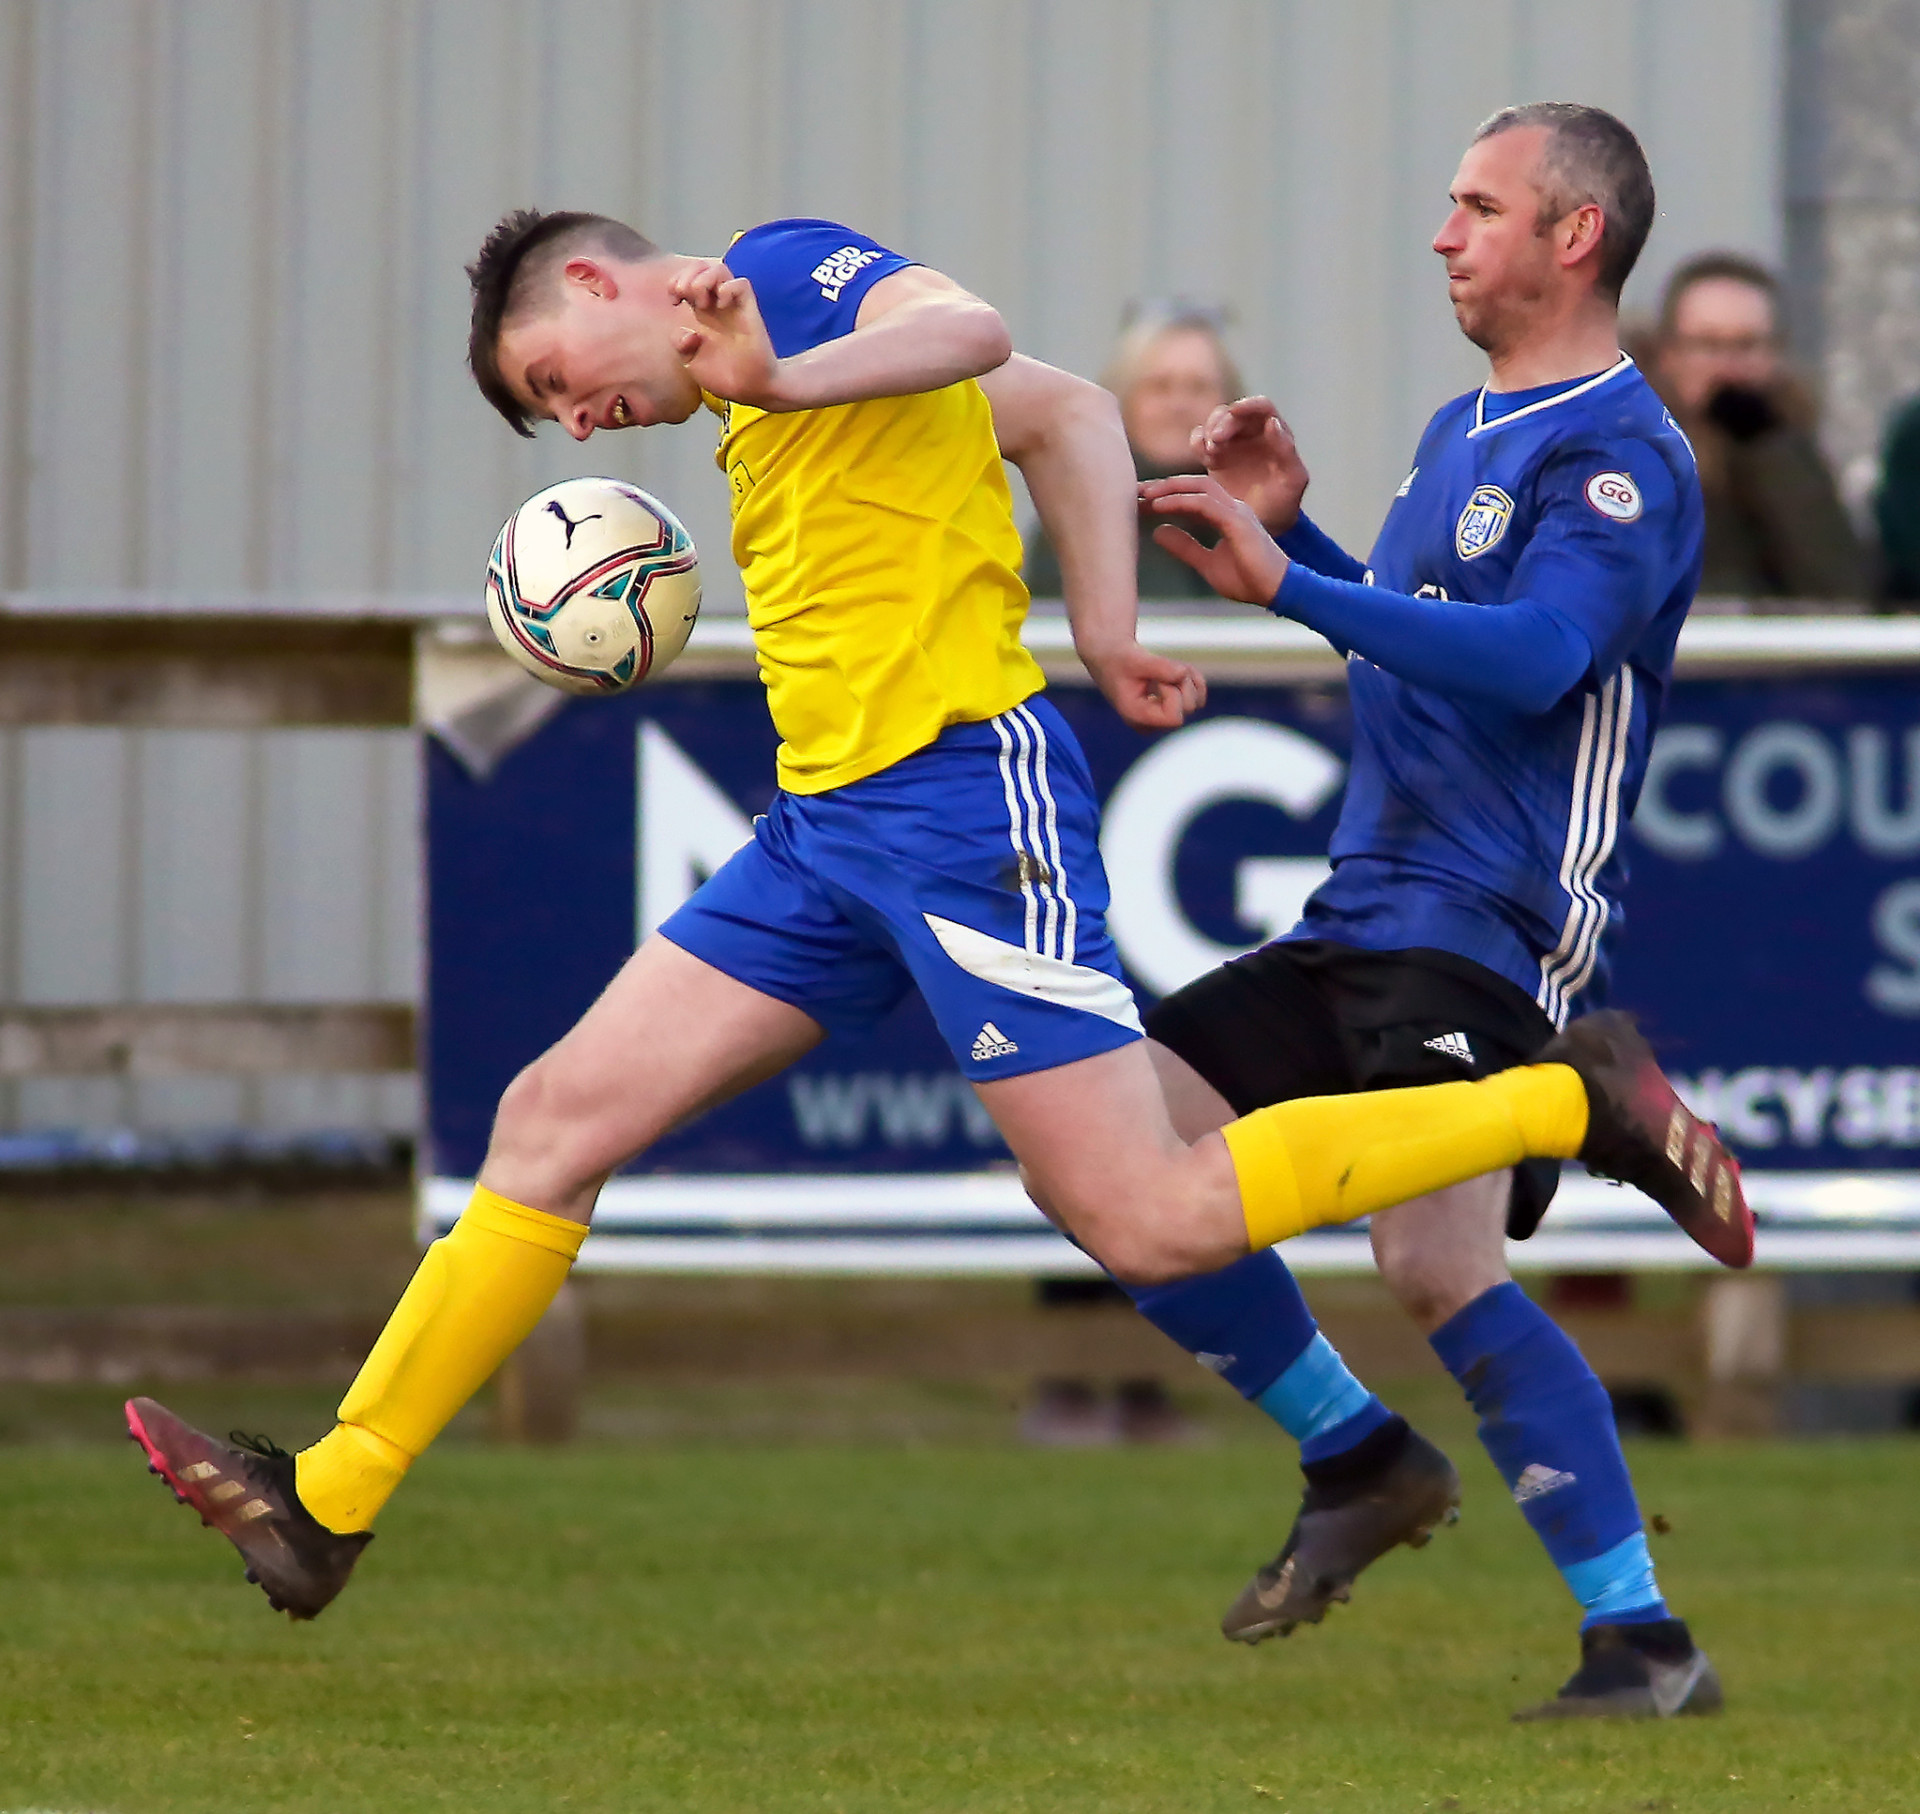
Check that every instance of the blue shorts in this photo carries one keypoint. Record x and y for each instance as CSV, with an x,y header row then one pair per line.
x,y
969,870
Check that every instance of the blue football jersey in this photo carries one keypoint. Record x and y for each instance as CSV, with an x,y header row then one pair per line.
x,y
1490,832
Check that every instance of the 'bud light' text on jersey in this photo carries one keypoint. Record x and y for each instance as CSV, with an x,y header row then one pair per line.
x,y
1471,826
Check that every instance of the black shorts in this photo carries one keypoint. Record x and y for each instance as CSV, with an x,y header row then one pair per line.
x,y
1307,1017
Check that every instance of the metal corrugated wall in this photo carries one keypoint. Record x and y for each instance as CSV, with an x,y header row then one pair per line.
x,y
233,229
208,866
232,320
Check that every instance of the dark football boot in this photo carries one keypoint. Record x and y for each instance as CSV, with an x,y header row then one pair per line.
x,y
244,1490
1391,1488
1635,1672
1640,1133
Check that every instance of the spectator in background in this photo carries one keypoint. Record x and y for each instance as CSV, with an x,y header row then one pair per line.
x,y
1897,507
1170,371
1776,527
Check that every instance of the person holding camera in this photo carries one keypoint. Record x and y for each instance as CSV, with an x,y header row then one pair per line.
x,y
1776,527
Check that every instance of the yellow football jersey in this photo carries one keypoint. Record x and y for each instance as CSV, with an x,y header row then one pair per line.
x,y
876,539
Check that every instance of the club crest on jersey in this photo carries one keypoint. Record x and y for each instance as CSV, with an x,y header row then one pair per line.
x,y
1614,495
1483,522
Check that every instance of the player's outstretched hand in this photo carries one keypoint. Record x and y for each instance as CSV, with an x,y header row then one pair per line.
x,y
1250,449
727,349
1151,692
1245,564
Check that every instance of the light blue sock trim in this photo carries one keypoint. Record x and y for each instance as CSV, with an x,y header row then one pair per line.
x,y
1315,1393
1620,1581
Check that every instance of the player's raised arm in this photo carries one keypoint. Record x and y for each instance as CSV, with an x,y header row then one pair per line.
x,y
1066,437
1524,654
916,331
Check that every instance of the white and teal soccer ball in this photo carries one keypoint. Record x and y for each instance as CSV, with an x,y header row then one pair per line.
x,y
593,585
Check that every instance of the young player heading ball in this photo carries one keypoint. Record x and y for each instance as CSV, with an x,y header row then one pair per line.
x,y
936,829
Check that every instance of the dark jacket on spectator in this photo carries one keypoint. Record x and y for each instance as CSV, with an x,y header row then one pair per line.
x,y
1898,505
1775,525
1161,574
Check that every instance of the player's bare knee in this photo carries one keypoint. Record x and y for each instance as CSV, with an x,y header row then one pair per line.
x,y
527,1110
1135,1262
1432,1285
1140,1251
1104,1223
543,1129
1415,1289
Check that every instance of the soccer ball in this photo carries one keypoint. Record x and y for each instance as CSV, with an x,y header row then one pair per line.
x,y
593,585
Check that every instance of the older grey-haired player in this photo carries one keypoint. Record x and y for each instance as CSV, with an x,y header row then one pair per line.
x,y
1510,639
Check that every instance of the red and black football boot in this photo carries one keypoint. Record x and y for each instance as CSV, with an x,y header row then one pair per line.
x,y
1641,1133
244,1489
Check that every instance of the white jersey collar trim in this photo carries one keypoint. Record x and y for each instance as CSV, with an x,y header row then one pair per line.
x,y
1481,425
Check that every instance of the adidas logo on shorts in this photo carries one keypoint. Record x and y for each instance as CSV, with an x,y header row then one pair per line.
x,y
992,1043
1453,1044
1537,1480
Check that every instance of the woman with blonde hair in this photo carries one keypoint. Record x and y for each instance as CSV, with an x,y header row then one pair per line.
x,y
1170,370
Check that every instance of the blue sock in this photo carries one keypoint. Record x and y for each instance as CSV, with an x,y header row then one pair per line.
x,y
1249,1323
1546,1421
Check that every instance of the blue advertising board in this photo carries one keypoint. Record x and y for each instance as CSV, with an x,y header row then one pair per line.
x,y
1773,921
1772,941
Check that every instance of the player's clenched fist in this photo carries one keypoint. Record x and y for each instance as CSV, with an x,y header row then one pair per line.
x,y
727,349
1245,563
1250,449
1151,692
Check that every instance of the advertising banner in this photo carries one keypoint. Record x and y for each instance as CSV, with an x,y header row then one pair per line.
x,y
1773,921
1772,941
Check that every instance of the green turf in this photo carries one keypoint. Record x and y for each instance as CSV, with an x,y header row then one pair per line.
x,y
928,1629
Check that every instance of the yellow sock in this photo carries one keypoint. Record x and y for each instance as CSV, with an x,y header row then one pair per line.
x,y
476,1297
1328,1159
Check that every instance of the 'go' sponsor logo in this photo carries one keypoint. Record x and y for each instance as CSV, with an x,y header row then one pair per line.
x,y
1614,495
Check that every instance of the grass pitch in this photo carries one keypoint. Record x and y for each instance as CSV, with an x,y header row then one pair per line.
x,y
958,1628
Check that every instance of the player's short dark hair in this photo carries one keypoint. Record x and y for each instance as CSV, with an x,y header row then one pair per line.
x,y
1590,157
1733,267
516,260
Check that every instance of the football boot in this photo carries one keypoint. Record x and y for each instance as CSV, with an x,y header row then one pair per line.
x,y
1392,1487
1635,1672
244,1489
1639,1132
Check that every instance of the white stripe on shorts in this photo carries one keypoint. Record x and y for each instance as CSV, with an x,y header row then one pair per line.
x,y
1069,913
1033,828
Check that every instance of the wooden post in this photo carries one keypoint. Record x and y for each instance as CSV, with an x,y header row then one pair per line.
x,y
1744,1332
536,1394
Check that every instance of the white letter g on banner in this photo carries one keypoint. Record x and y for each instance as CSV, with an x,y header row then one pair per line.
x,y
1160,796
